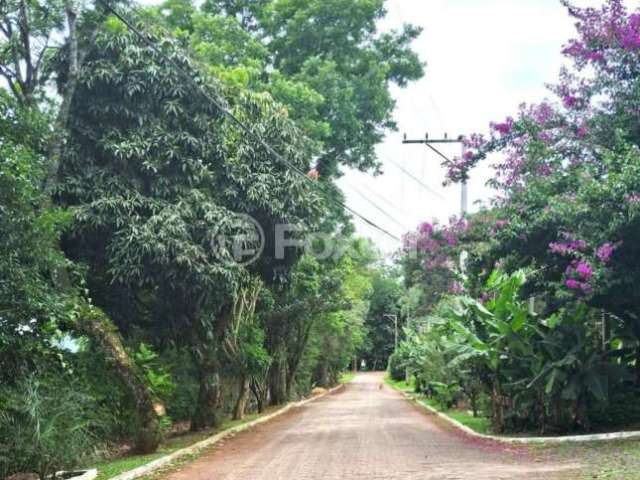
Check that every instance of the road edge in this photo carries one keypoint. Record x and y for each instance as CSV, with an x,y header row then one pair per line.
x,y
597,437
160,463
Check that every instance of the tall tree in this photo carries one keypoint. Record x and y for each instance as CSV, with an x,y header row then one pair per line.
x,y
327,62
156,178
39,42
385,301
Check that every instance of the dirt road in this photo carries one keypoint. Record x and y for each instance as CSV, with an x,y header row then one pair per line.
x,y
367,431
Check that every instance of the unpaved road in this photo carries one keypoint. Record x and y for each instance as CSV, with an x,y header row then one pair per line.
x,y
367,431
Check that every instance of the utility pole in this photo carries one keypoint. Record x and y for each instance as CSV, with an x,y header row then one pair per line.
x,y
428,142
395,326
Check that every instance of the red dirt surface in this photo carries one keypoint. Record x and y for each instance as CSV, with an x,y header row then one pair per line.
x,y
366,431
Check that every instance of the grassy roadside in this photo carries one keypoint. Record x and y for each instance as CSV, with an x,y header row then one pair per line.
x,y
347,377
112,467
618,460
478,424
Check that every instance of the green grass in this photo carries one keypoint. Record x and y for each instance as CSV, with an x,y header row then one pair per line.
x,y
399,384
618,460
346,377
112,467
477,424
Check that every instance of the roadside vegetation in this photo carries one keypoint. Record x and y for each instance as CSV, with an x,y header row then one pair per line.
x,y
611,461
526,312
126,318
477,423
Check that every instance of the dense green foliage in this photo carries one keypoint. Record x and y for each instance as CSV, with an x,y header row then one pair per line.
x,y
125,312
327,63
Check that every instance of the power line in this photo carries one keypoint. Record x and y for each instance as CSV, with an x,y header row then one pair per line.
x,y
234,120
441,121
415,179
377,207
389,203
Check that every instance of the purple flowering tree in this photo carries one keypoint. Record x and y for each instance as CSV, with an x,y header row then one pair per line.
x,y
430,257
567,216
567,171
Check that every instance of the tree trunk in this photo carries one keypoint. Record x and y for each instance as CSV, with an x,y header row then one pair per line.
x,y
323,374
98,327
638,366
278,382
556,412
543,412
498,411
580,410
76,59
206,413
473,398
260,391
243,398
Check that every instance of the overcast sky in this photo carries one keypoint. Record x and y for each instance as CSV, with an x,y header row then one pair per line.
x,y
484,57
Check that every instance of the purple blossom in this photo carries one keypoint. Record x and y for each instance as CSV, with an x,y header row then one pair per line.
x,y
567,248
572,284
582,131
486,297
569,101
574,49
545,170
595,57
585,287
541,113
584,270
425,228
604,251
474,141
632,198
505,127
578,275
629,35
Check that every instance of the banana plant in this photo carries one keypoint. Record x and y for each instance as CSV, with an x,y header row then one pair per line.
x,y
577,369
495,336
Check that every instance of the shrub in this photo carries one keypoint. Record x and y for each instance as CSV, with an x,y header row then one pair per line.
x,y
46,425
396,366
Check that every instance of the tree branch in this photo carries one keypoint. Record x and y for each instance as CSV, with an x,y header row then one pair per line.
x,y
15,56
25,37
39,60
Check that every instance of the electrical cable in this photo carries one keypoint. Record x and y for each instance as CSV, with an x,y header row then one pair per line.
x,y
415,179
376,206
